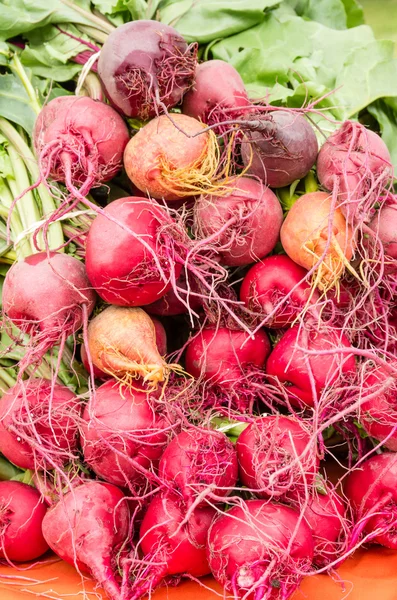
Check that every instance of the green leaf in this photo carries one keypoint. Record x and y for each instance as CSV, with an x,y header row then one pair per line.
x,y
354,13
122,11
289,60
20,16
49,51
15,103
209,20
387,119
328,12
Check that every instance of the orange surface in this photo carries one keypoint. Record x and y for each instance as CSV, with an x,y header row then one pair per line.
x,y
369,575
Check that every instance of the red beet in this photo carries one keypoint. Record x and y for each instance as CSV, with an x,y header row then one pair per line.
x,y
218,93
146,66
325,515
259,550
356,160
79,141
268,282
38,425
378,415
121,265
372,493
21,514
87,528
197,460
244,224
172,549
288,365
222,356
122,436
271,444
384,223
47,298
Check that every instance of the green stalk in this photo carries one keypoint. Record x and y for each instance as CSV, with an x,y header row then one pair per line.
x,y
6,378
22,249
286,198
98,36
310,182
17,68
26,205
55,237
231,428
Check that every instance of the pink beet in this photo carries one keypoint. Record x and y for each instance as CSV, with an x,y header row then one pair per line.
x,y
22,511
87,528
39,424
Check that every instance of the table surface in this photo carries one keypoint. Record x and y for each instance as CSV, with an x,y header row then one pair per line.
x,y
368,575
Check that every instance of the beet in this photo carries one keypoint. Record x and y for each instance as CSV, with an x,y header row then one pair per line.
x,y
279,147
146,66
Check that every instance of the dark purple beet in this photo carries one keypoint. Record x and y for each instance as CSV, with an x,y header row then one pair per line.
x,y
143,64
281,146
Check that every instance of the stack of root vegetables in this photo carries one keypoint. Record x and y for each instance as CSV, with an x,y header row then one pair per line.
x,y
236,318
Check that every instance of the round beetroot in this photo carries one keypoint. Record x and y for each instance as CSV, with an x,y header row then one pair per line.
x,y
378,415
281,147
268,282
257,216
122,436
270,444
371,490
218,93
223,355
145,66
120,263
79,139
288,366
47,297
384,223
39,425
259,550
21,515
197,460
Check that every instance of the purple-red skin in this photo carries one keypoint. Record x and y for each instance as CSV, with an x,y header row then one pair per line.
x,y
222,356
120,268
22,511
378,415
49,419
218,93
288,364
244,540
325,515
185,552
200,459
87,528
371,488
45,297
88,133
352,155
384,223
249,238
269,444
120,424
269,281
142,58
284,150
